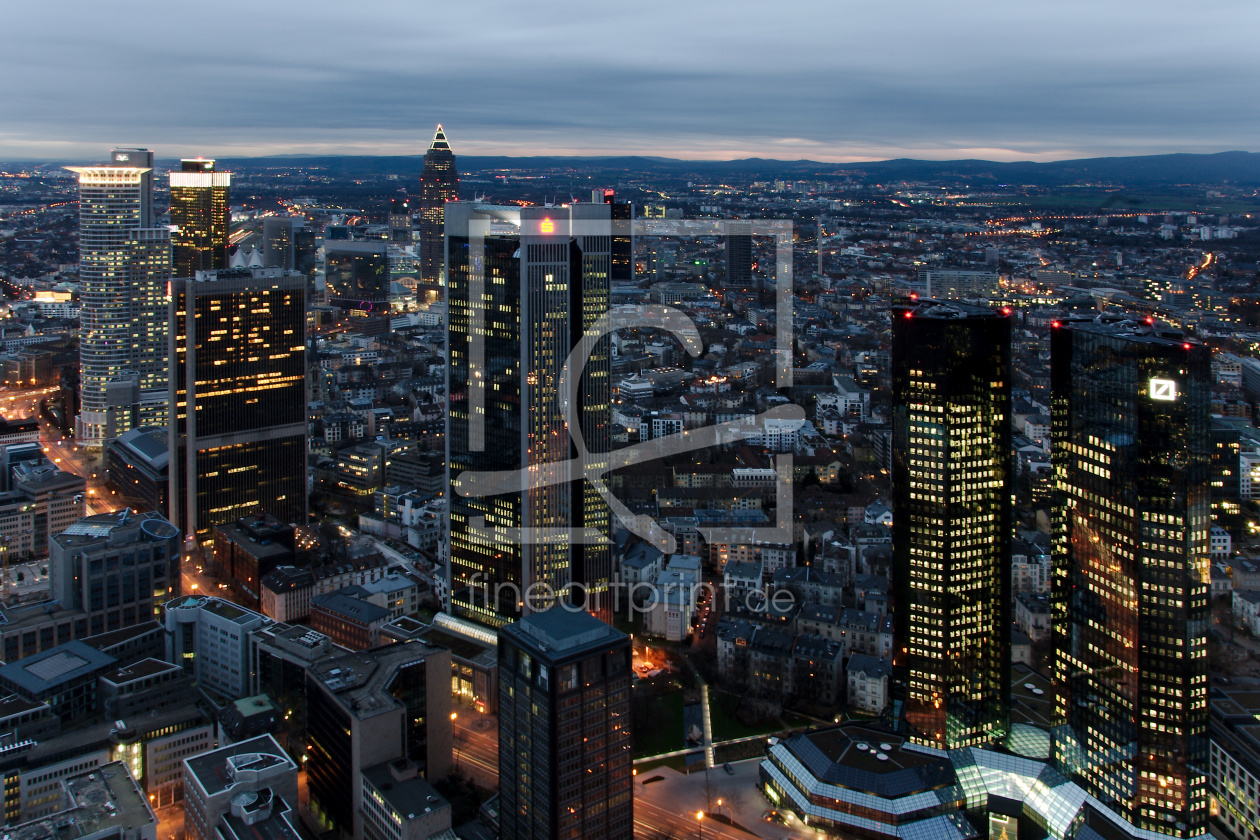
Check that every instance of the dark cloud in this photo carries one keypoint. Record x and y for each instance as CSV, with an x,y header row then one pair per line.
x,y
824,80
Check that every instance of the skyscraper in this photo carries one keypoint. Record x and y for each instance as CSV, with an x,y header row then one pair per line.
x,y
400,221
564,729
523,286
952,520
279,240
238,398
623,234
739,255
1131,456
199,217
439,183
356,275
124,266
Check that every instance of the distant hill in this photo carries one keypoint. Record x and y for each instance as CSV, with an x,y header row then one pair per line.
x,y
1148,170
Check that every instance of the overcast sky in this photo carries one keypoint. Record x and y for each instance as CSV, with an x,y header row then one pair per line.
x,y
822,80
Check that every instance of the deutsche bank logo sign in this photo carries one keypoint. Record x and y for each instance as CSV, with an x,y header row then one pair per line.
x,y
1164,390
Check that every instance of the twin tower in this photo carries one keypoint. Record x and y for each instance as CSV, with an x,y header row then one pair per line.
x,y
1131,518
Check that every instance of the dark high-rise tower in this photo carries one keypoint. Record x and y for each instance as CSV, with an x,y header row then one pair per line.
x,y
279,241
623,234
356,275
739,255
439,183
238,398
523,286
400,220
1131,457
199,217
952,520
564,729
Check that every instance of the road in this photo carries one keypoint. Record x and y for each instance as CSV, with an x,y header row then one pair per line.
x,y
667,804
475,739
65,454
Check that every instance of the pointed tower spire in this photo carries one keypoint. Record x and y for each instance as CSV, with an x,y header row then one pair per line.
x,y
439,183
439,140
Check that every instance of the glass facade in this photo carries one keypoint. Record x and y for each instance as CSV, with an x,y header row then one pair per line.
x,y
124,267
1131,582
357,276
538,294
200,217
239,359
951,521
330,771
408,688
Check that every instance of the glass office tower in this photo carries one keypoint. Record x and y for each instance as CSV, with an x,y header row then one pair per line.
x,y
124,267
199,217
238,398
1132,464
951,521
356,276
523,286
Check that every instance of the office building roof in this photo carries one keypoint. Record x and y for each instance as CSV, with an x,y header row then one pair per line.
x,y
869,760
117,528
147,444
96,802
216,770
351,609
45,671
408,797
360,680
562,633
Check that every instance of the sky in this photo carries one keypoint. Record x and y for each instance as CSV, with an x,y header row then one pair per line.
x,y
828,81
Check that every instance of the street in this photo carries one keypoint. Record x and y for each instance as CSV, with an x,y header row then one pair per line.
x,y
65,454
475,747
666,803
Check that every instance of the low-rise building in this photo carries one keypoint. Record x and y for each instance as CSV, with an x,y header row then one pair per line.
x,y
248,549
739,579
399,805
1032,615
104,803
809,585
242,780
1221,542
1246,609
667,612
285,593
867,678
209,638
857,631
348,621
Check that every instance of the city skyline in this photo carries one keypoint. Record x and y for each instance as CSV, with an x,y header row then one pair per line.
x,y
801,81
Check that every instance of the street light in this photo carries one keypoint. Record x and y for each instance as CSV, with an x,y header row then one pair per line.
x,y
700,824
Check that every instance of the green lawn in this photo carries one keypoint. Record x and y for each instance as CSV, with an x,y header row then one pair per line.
x,y
726,725
658,724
